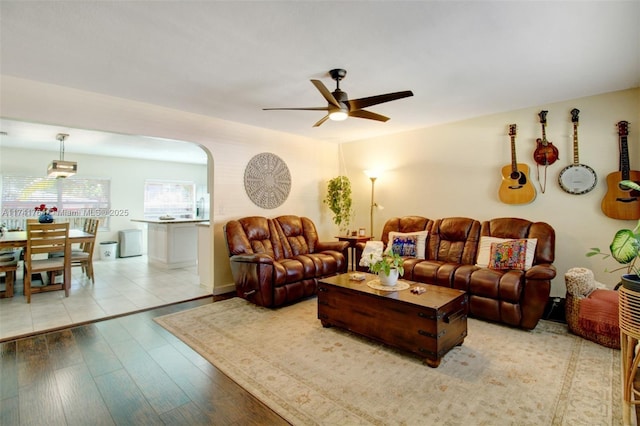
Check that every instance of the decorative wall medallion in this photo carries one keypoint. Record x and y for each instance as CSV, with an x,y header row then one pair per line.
x,y
267,180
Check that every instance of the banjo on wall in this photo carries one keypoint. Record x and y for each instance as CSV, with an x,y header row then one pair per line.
x,y
577,178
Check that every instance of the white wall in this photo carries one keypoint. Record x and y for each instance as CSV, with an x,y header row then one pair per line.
x,y
447,170
230,145
127,177
455,170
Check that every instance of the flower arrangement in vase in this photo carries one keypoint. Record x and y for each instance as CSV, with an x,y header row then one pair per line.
x,y
388,266
45,213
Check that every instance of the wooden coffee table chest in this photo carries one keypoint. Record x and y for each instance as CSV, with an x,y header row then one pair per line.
x,y
427,324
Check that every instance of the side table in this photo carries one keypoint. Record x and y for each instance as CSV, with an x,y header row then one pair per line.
x,y
353,240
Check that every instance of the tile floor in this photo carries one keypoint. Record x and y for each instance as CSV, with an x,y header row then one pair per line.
x,y
122,286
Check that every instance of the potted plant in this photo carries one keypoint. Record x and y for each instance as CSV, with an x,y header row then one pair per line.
x,y
388,266
625,249
339,201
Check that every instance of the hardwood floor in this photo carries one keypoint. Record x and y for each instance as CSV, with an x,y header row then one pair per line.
x,y
124,371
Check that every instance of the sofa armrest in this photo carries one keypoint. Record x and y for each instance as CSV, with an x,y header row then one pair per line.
x,y
252,258
543,271
254,275
340,246
537,287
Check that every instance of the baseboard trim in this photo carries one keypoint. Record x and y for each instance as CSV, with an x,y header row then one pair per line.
x,y
223,289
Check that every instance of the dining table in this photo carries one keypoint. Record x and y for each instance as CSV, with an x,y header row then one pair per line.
x,y
18,239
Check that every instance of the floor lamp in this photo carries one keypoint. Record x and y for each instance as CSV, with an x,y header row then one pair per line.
x,y
372,176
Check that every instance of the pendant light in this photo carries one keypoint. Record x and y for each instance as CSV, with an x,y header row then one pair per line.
x,y
60,168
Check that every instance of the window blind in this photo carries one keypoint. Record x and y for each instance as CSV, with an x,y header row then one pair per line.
x,y
172,198
73,197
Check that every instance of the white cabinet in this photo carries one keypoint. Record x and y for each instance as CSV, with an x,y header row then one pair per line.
x,y
172,244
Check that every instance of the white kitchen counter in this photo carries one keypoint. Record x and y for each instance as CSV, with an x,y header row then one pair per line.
x,y
172,243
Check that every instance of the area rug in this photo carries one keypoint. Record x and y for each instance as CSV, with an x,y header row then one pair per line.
x,y
312,375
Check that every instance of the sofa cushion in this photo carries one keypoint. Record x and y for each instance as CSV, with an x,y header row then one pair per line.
x,y
508,255
290,270
484,250
323,264
408,244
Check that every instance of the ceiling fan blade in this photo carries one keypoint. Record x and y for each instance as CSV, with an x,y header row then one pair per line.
x,y
298,109
355,104
361,113
325,92
322,120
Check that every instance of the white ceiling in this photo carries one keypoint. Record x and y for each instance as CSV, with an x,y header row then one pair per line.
x,y
230,59
43,137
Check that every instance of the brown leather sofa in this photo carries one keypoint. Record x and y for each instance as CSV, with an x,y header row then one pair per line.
x,y
513,297
278,261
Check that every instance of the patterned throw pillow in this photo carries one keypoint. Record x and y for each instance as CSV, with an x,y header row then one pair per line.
x,y
484,250
508,255
412,243
405,245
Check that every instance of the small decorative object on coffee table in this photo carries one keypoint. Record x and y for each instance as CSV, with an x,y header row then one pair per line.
x,y
427,323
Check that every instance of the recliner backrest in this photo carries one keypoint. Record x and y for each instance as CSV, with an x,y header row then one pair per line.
x,y
454,240
516,228
405,224
254,234
298,235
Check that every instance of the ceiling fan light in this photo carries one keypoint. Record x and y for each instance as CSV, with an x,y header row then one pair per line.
x,y
338,116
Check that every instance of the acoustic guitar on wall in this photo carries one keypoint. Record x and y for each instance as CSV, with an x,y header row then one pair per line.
x,y
516,188
620,202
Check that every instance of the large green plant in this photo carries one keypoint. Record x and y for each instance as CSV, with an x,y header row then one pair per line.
x,y
338,199
625,246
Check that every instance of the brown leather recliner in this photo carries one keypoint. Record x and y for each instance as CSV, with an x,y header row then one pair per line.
x,y
278,261
511,296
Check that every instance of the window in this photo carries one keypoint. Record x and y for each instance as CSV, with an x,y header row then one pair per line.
x,y
169,198
76,198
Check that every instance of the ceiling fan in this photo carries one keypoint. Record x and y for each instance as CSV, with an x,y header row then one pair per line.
x,y
340,106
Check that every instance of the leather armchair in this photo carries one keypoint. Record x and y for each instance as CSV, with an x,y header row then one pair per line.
x,y
513,297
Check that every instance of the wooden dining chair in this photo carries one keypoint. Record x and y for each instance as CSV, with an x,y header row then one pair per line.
x,y
8,267
45,239
83,258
